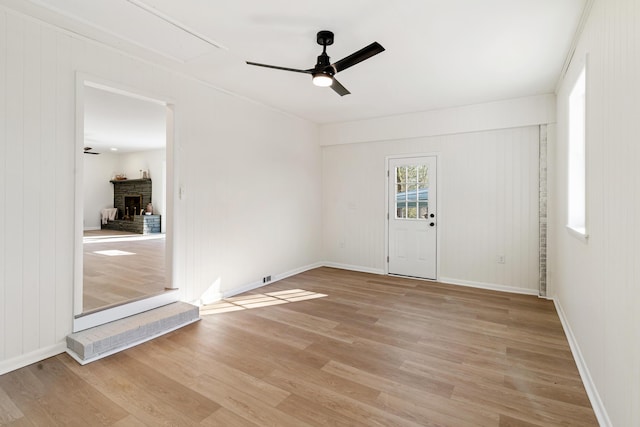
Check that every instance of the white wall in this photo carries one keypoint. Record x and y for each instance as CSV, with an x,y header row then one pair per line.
x,y
98,191
597,284
251,178
488,205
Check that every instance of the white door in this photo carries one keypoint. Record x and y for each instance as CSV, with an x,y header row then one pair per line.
x,y
413,217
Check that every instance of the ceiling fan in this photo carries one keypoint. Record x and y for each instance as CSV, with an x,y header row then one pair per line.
x,y
87,150
324,71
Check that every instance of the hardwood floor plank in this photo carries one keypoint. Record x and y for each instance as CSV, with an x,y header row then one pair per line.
x,y
9,412
225,418
376,350
419,396
338,402
181,398
425,413
525,406
244,405
507,421
201,363
124,390
316,415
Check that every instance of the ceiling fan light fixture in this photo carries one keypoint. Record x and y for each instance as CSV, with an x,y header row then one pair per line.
x,y
322,79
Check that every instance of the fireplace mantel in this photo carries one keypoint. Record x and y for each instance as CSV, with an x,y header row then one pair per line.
x,y
124,181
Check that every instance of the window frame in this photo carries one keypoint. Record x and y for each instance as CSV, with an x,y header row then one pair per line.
x,y
577,218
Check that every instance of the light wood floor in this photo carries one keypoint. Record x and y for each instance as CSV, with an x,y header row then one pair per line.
x,y
110,280
376,350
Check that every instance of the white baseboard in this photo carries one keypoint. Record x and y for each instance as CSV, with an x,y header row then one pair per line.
x,y
489,286
353,268
32,357
274,278
585,375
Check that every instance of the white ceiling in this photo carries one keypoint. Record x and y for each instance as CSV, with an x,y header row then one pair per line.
x,y
439,53
128,124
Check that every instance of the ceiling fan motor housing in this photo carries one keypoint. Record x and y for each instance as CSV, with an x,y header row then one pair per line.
x,y
325,38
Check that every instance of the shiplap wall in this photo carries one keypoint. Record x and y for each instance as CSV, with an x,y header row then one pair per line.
x,y
488,205
597,284
250,176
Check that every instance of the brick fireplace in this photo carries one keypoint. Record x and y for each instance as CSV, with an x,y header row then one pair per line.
x,y
130,197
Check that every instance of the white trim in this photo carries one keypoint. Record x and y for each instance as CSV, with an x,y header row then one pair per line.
x,y
357,268
155,12
120,312
32,357
586,12
488,286
274,278
578,234
119,349
594,397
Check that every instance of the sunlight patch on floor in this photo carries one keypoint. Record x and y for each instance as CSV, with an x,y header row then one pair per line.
x,y
113,252
258,300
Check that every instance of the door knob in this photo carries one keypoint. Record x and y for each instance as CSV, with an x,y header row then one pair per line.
x,y
432,215
431,224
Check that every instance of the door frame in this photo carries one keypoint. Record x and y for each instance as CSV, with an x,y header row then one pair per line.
x,y
387,214
82,321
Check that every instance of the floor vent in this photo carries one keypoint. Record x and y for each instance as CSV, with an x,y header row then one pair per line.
x,y
95,343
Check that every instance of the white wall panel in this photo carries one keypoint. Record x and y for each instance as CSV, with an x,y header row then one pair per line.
x,y
251,176
31,181
488,202
3,174
14,198
47,192
596,283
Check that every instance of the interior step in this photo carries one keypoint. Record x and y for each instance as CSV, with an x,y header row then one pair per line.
x,y
101,341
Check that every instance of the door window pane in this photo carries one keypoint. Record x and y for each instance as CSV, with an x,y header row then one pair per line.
x,y
412,191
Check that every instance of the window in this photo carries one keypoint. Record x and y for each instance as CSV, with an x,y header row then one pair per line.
x,y
576,209
412,192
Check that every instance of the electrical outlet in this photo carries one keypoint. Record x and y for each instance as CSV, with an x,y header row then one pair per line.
x,y
266,279
501,259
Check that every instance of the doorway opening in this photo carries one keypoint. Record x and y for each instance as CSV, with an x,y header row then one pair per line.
x,y
123,209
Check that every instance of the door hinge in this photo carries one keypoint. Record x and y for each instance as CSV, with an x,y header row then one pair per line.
x,y
387,215
387,174
387,258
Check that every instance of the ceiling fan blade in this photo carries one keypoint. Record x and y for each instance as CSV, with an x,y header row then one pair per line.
x,y
280,68
91,152
357,57
338,88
